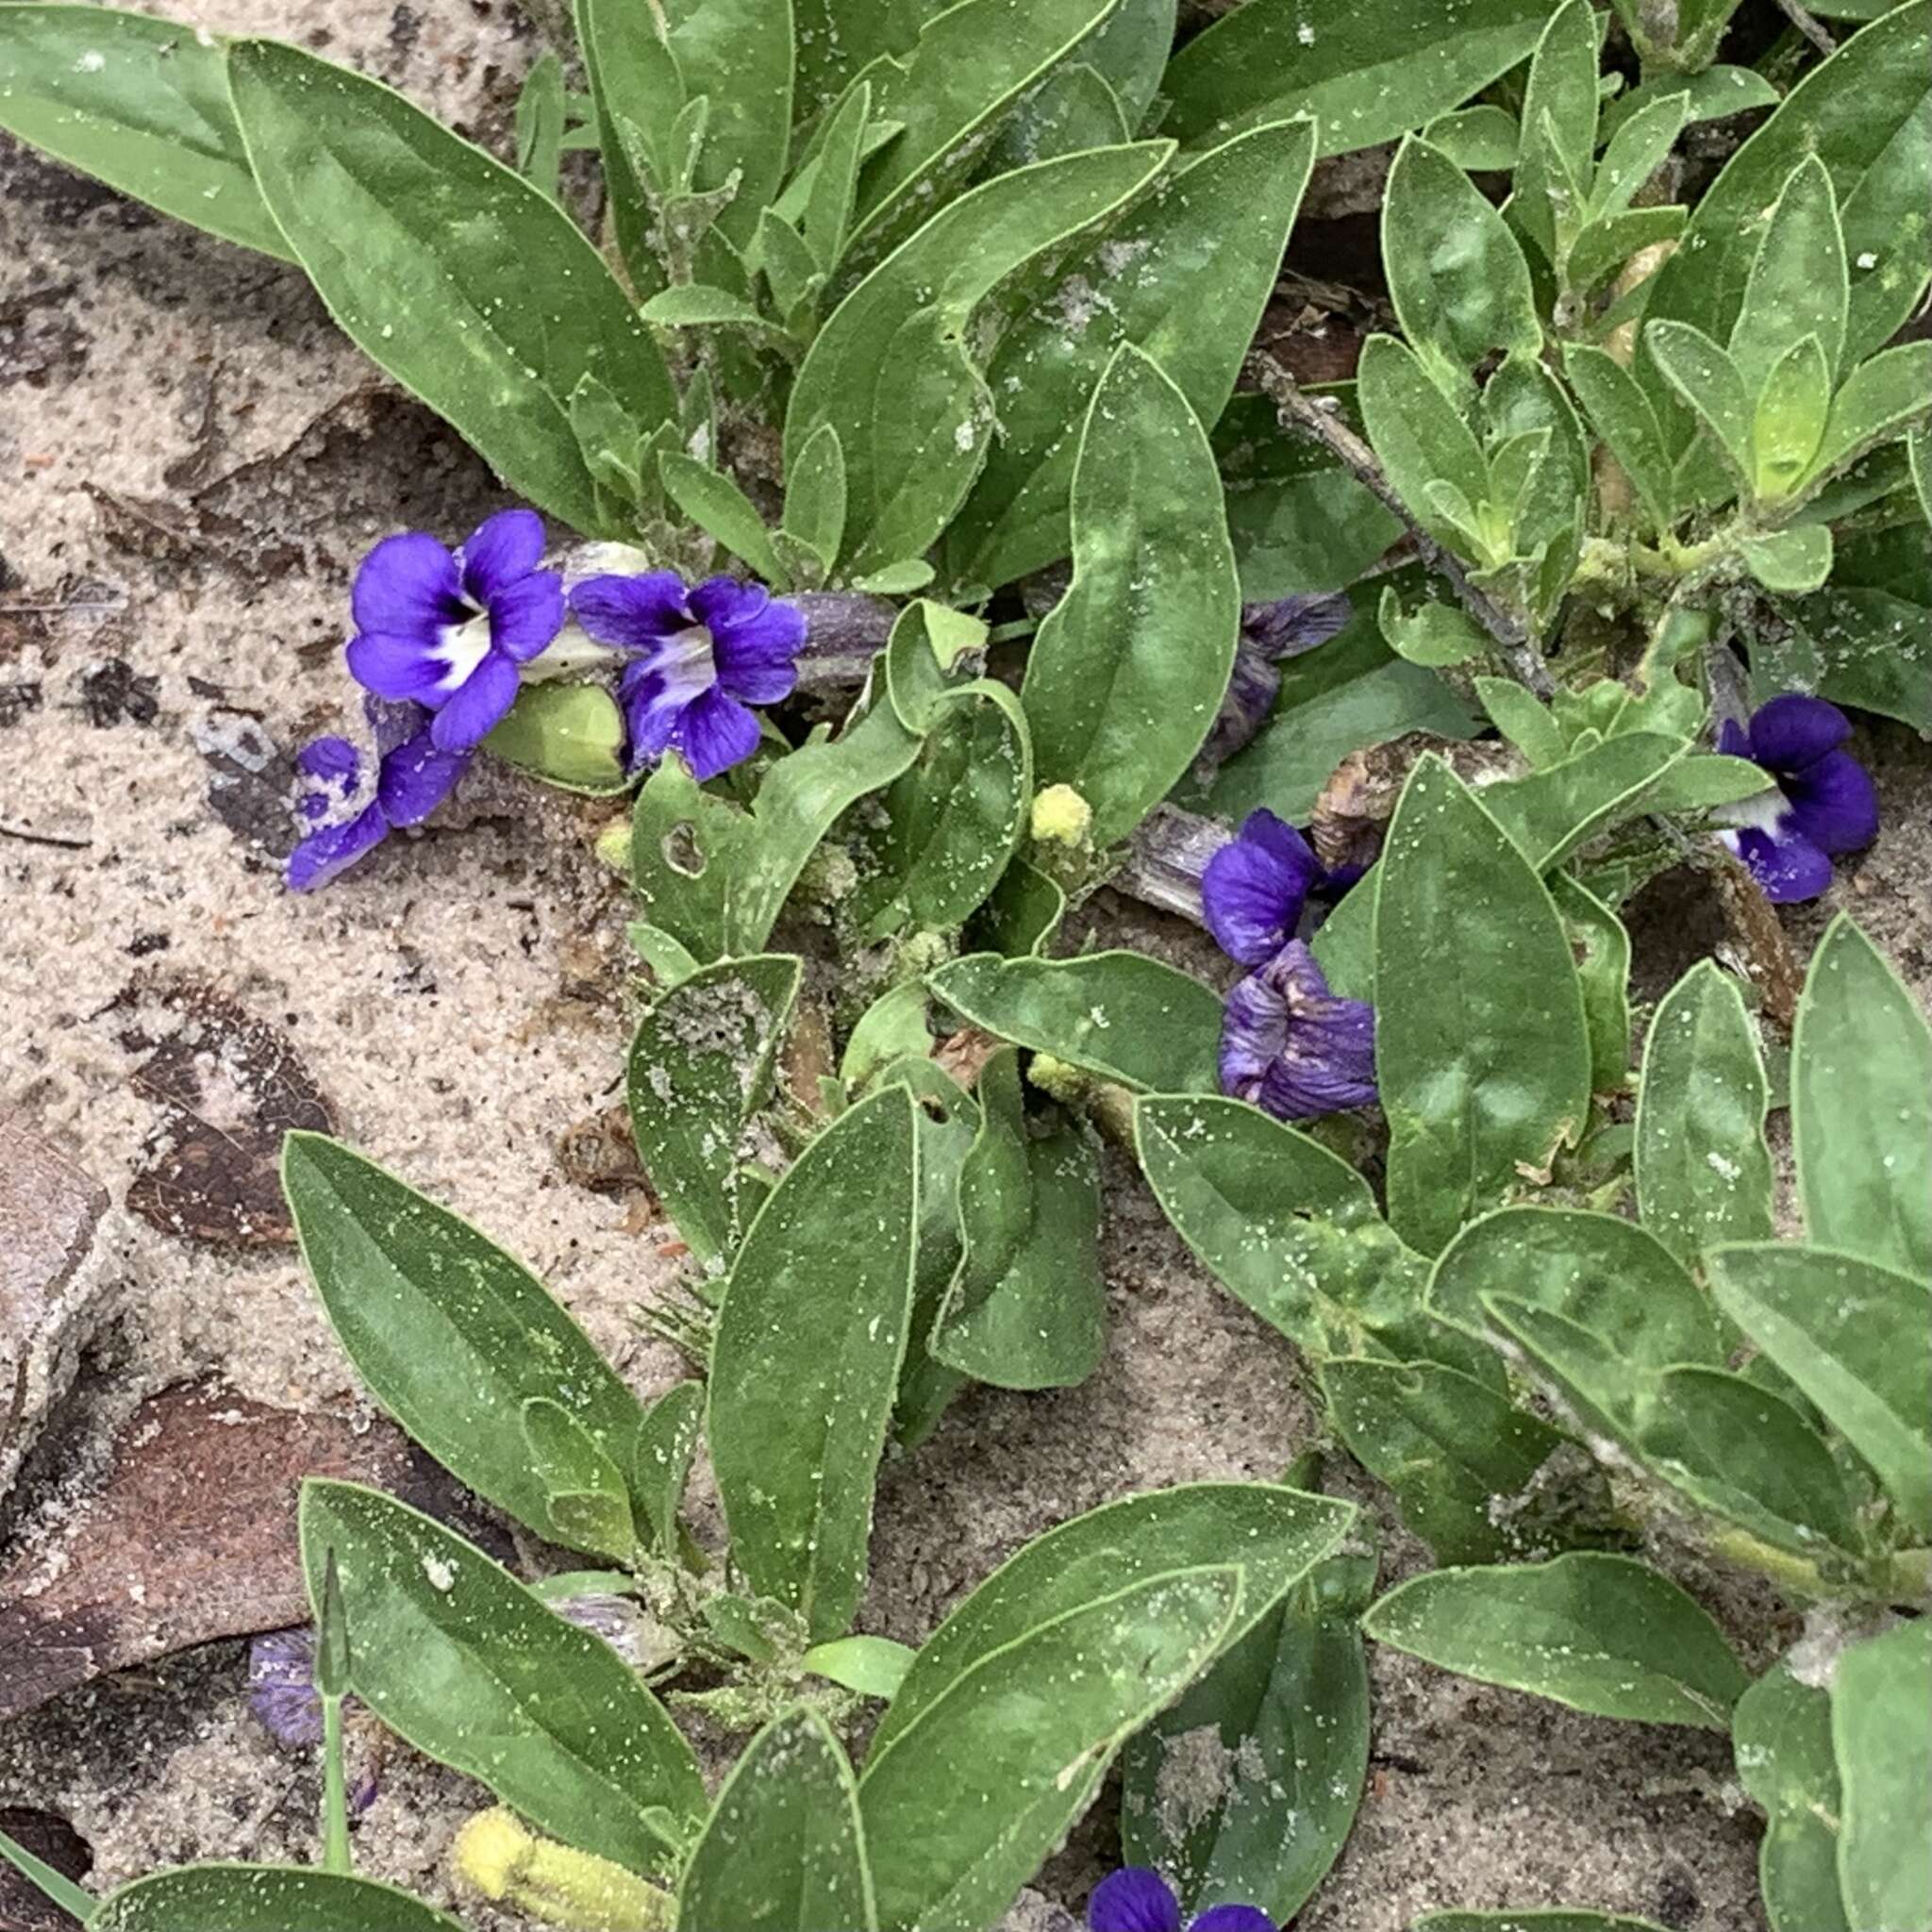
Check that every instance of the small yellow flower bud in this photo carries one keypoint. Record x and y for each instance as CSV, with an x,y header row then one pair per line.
x,y
1061,816
613,845
1068,1084
495,1855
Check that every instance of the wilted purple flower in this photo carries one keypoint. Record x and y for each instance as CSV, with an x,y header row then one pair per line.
x,y
1820,802
281,1687
1292,1046
1254,889
1271,634
450,630
1136,1900
698,657
349,803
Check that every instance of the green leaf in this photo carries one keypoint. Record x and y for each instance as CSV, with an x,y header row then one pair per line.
x,y
1354,691
1418,435
1858,112
1703,1167
1247,1787
834,190
1551,812
893,1028
1781,1738
589,1496
1455,1451
1608,243
838,39
946,1120
1918,454
1027,1308
1363,77
700,1066
890,371
693,304
1072,109
363,185
1620,414
1560,1919
1289,1228
1861,1106
666,1442
719,507
872,1666
973,62
569,735
1856,1339
1789,422
955,818
637,93
539,119
1280,1533
738,54
1455,273
806,1358
1483,139
1790,561
1023,913
1130,53
1183,275
452,1336
1128,669
454,1655
962,1804
1879,1697
54,1887
1600,1633
783,1850
1638,147
1118,1014
815,495
1881,399
1433,633
1602,948
1713,94
1487,1067
1523,718
1603,1274
1707,379
1559,109
1798,282
141,104
261,1898
1866,638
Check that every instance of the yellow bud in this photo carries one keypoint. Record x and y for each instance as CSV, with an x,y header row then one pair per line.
x,y
1061,816
494,1855
613,845
1066,1084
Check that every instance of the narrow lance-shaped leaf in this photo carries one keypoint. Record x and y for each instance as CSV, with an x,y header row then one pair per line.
x,y
1603,968
806,1359
1128,669
463,1662
738,54
1861,1106
1797,286
784,1849
452,1335
262,1898
1485,1067
424,248
141,104
1600,1633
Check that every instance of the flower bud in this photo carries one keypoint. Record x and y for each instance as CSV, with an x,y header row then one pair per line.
x,y
1061,816
495,1855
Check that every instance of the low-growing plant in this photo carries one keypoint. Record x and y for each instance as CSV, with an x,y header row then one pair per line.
x,y
930,324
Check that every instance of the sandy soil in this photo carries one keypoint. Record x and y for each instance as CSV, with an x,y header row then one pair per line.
x,y
191,460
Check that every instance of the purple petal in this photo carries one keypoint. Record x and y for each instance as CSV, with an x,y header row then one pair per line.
x,y
714,733
1133,1900
281,1686
649,719
1290,625
395,664
724,602
394,722
1834,803
1788,866
324,855
477,705
1253,888
525,616
1233,1918
1792,731
756,654
1733,740
501,549
334,761
416,779
632,612
407,586
1254,1028
1292,1046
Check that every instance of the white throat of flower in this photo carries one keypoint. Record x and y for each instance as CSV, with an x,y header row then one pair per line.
x,y
460,648
1765,811
687,664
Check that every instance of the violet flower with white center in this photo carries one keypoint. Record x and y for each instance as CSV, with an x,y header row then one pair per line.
x,y
1292,1047
1820,802
349,805
698,657
449,630
1271,634
1254,889
1136,1900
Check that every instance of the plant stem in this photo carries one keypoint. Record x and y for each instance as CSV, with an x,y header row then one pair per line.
x,y
1802,18
1301,413
335,1797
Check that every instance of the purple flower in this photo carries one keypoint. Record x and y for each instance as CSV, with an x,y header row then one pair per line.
x,y
281,1687
1136,1900
1253,890
1270,635
348,809
698,657
1292,1046
1820,802
449,631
